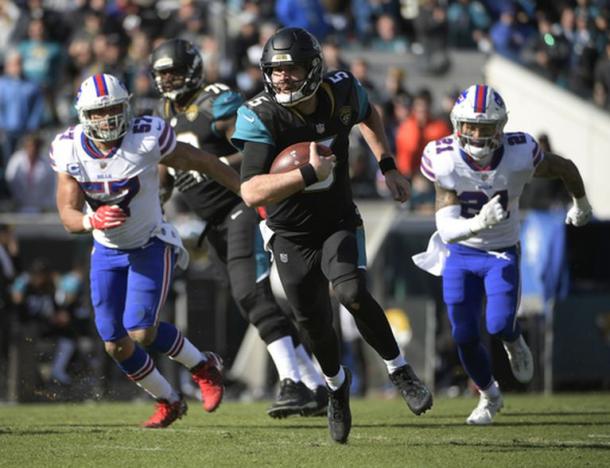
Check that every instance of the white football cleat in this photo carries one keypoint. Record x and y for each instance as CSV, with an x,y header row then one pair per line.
x,y
520,358
485,411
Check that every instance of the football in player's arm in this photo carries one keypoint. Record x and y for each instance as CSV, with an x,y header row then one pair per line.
x,y
479,173
108,164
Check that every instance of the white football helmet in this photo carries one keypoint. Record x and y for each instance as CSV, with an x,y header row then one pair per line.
x,y
101,91
479,104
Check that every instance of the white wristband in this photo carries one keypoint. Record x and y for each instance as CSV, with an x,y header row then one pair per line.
x,y
582,203
87,223
224,160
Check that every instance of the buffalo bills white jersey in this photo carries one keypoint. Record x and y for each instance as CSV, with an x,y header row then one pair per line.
x,y
510,168
127,177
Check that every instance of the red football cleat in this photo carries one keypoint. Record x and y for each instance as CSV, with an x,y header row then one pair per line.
x,y
166,413
208,375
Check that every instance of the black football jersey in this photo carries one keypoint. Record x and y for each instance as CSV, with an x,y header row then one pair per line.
x,y
206,197
322,208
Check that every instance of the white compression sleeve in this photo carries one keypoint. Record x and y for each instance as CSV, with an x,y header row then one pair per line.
x,y
451,227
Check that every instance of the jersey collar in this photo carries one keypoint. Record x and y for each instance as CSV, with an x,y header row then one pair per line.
x,y
93,151
493,163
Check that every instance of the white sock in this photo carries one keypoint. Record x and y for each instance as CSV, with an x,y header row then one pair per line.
x,y
307,368
396,363
492,391
158,387
189,356
336,381
284,357
63,354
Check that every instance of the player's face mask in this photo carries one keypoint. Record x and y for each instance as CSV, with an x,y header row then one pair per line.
x,y
479,138
288,79
170,80
106,120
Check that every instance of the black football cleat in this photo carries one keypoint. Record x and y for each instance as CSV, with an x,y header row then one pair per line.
x,y
339,414
318,404
293,398
413,390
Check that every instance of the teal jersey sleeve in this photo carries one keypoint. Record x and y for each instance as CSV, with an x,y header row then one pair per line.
x,y
249,127
226,105
363,101
20,283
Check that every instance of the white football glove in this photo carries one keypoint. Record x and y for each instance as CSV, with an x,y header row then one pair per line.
x,y
491,214
580,213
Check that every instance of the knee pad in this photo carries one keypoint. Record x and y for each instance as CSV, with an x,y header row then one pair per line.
x,y
350,292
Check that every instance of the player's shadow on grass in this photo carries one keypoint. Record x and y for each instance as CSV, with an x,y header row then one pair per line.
x,y
522,414
557,413
497,423
59,429
510,446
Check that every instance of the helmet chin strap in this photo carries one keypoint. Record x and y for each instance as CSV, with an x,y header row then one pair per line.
x,y
483,158
287,100
171,95
478,153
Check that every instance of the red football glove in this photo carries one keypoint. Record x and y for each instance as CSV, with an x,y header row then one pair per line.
x,y
105,217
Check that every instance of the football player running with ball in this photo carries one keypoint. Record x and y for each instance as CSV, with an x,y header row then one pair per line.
x,y
479,173
204,114
109,163
313,227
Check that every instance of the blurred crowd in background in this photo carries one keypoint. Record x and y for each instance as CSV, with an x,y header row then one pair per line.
x,y
47,48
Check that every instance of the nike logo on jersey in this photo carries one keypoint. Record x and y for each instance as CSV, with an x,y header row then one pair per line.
x,y
249,119
236,214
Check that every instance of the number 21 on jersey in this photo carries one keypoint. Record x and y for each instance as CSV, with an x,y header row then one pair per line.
x,y
472,202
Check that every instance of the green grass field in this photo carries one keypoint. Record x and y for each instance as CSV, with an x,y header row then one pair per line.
x,y
532,430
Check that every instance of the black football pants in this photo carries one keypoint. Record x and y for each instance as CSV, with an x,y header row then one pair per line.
x,y
305,273
233,246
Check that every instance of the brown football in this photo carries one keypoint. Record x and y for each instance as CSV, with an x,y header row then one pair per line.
x,y
295,156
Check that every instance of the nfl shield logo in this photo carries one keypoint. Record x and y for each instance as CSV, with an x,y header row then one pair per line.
x,y
284,257
320,128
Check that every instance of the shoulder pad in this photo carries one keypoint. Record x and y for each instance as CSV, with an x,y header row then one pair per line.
x,y
249,127
437,159
163,133
525,152
61,152
226,105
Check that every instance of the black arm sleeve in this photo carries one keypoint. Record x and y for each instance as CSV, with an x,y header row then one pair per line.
x,y
257,159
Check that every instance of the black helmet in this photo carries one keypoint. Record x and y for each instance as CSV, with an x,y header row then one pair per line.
x,y
186,67
293,46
